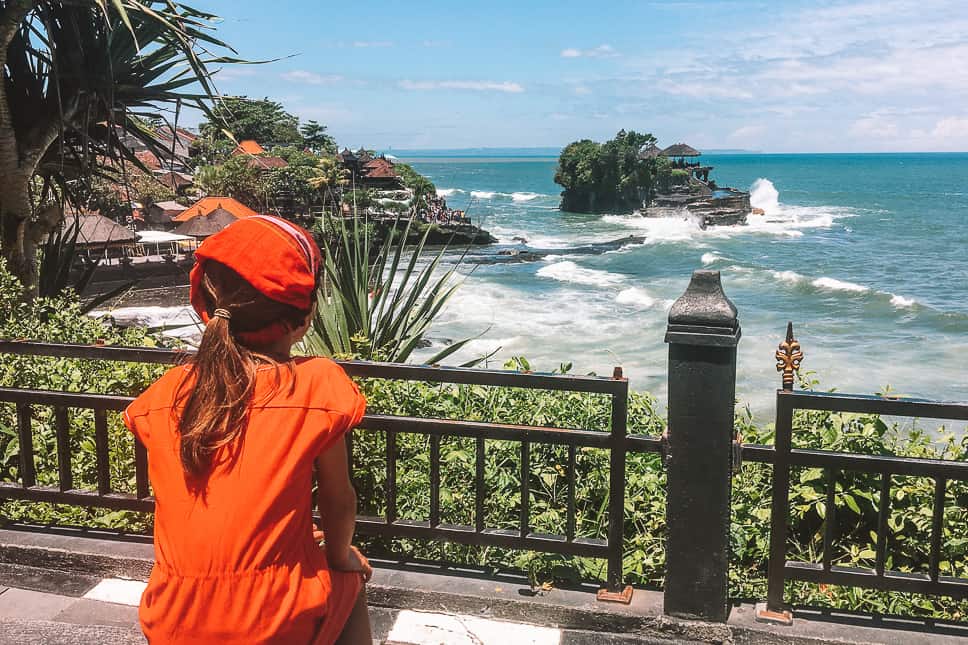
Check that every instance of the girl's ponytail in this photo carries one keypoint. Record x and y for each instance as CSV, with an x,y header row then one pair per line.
x,y
215,400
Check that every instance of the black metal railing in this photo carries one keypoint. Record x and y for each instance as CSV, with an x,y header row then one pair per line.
x,y
616,441
834,464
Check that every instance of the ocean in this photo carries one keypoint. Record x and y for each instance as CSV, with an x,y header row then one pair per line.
x,y
864,253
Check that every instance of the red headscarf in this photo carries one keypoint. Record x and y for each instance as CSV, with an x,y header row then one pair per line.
x,y
279,259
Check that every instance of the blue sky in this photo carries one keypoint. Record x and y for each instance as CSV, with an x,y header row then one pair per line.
x,y
837,76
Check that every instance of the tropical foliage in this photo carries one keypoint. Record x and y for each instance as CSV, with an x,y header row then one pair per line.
x,y
601,177
262,120
421,187
380,297
78,77
315,139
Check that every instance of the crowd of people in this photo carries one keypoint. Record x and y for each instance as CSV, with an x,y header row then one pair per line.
x,y
437,212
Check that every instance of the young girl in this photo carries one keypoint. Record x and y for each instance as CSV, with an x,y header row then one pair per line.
x,y
232,439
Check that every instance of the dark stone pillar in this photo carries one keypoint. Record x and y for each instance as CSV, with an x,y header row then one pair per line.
x,y
702,334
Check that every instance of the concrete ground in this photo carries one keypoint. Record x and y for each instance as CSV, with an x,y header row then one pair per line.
x,y
84,587
43,606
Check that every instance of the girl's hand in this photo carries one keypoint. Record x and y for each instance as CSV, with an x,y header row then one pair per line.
x,y
351,561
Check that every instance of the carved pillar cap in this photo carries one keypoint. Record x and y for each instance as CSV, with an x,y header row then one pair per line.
x,y
703,315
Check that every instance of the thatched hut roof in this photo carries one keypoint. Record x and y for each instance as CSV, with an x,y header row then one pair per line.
x,y
205,225
650,151
681,150
97,230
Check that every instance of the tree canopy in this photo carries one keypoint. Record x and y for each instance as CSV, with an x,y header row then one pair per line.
x,y
600,177
79,78
263,120
315,139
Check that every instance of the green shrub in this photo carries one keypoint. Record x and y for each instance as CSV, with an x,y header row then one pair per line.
x,y
644,556
60,320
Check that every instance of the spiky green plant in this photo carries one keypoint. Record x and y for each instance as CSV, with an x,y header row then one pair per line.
x,y
380,296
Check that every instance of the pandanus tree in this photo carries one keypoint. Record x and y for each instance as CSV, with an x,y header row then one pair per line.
x,y
82,80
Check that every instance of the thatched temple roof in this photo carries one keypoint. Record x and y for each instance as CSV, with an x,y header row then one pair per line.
x,y
681,150
205,225
97,230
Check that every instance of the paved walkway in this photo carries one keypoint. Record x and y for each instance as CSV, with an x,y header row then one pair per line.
x,y
39,606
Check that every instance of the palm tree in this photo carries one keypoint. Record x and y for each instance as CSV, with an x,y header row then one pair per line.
x,y
329,178
82,79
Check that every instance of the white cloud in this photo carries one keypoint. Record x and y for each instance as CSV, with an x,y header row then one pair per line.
x,y
602,51
952,127
703,89
303,76
581,90
477,86
373,43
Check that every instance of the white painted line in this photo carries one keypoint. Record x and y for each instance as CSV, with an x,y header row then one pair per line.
x,y
118,591
425,628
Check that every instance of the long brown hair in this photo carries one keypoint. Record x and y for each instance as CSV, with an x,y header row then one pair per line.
x,y
215,404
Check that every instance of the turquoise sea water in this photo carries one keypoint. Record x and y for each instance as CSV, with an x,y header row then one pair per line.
x,y
866,254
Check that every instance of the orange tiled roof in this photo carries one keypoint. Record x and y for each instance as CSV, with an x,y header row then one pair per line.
x,y
206,205
149,159
379,168
248,147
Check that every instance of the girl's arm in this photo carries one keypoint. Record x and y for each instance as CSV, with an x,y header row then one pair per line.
x,y
337,508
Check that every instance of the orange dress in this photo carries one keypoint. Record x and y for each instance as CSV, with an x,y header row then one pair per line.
x,y
236,562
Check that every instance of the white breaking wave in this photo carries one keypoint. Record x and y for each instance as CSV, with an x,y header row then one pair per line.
x,y
832,284
494,194
763,194
568,271
710,258
635,296
525,197
838,285
659,229
788,276
447,192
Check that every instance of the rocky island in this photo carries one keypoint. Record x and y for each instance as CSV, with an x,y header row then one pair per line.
x,y
631,174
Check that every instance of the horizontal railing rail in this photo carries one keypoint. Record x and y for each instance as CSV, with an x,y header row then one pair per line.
x,y
785,456
616,441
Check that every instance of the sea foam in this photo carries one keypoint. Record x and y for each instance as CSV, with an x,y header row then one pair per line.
x,y
764,195
901,302
636,297
838,285
568,271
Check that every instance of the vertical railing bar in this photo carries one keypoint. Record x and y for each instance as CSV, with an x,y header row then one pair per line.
x,y
141,470
391,448
883,509
616,484
778,506
937,522
571,510
28,472
435,480
830,517
64,475
102,451
479,486
525,488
